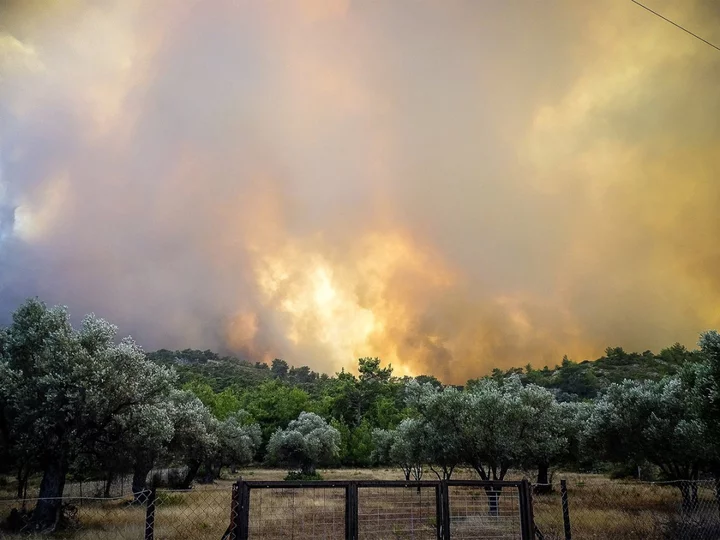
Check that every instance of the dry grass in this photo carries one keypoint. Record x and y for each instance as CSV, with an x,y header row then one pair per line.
x,y
599,508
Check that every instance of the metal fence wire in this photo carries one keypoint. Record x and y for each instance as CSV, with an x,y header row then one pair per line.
x,y
600,508
301,513
384,510
398,511
298,510
479,512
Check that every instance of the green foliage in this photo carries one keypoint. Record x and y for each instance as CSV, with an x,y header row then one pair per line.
x,y
649,421
221,404
274,405
360,446
306,442
67,391
572,381
218,410
279,369
211,369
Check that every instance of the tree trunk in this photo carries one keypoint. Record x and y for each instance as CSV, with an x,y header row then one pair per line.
x,y
716,474
208,473
108,484
193,468
22,476
47,510
543,483
139,479
689,492
493,495
308,469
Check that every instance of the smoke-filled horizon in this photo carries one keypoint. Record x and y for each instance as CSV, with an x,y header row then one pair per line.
x,y
451,186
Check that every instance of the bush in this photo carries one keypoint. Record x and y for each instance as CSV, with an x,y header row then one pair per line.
x,y
300,476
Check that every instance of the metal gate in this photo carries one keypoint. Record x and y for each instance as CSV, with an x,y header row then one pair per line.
x,y
358,510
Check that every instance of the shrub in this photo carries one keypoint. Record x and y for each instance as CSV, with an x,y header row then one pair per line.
x,y
301,476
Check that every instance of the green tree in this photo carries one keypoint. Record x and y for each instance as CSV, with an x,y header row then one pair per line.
x,y
273,405
408,448
64,390
702,381
547,428
222,404
279,369
361,445
655,422
441,415
306,443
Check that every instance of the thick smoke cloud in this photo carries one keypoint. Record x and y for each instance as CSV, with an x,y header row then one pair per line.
x,y
452,186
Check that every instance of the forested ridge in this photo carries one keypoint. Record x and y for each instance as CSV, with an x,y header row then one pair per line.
x,y
570,380
82,403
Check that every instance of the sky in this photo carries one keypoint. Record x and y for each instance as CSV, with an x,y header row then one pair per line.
x,y
449,185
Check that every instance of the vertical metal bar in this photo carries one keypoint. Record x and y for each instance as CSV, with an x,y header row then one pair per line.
x,y
527,523
438,512
351,511
565,509
348,512
445,495
244,511
150,515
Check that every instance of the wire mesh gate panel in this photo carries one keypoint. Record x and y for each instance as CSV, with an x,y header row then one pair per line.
x,y
388,510
296,510
485,511
380,510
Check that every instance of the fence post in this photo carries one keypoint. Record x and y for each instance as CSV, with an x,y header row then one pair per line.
x,y
242,515
235,506
150,514
445,496
351,511
438,512
565,509
527,521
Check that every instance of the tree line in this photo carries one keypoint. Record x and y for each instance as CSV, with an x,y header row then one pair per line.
x,y
78,403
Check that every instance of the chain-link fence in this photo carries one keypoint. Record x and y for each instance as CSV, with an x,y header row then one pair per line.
x,y
600,508
200,513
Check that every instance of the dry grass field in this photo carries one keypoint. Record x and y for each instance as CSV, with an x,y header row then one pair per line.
x,y
599,509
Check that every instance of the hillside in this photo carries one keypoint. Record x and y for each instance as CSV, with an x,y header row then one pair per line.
x,y
219,372
571,380
585,379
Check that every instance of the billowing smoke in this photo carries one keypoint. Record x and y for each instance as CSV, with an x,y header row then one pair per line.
x,y
452,186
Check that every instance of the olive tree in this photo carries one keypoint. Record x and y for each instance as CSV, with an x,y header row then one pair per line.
x,y
490,424
68,388
702,381
306,442
382,440
441,426
195,441
408,449
547,428
238,440
174,430
652,421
